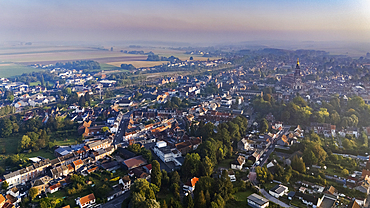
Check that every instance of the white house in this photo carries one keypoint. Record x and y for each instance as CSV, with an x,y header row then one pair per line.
x,y
85,201
278,191
238,163
167,154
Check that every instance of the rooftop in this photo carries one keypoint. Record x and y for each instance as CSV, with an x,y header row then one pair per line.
x,y
258,199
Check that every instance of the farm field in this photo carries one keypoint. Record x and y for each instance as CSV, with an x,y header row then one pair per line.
x,y
9,69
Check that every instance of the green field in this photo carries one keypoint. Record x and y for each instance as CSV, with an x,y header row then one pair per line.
x,y
35,83
9,70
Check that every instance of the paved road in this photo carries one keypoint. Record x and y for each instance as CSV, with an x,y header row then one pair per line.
x,y
116,202
121,129
273,199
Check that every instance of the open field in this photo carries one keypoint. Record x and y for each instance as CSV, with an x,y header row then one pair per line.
x,y
9,70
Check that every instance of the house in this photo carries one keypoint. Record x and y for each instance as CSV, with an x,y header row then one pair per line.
x,y
41,184
78,164
309,199
148,168
244,144
167,154
190,184
125,183
85,201
238,163
353,204
134,162
2,200
110,166
278,191
364,186
257,201
54,188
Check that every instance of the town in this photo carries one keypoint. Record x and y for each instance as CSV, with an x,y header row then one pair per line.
x,y
259,128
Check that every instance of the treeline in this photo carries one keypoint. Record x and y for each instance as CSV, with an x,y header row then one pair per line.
x,y
128,67
352,113
79,65
153,57
6,110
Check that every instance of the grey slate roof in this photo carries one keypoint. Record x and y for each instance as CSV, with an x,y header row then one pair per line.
x,y
257,199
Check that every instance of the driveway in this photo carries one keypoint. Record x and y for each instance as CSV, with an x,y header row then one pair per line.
x,y
273,199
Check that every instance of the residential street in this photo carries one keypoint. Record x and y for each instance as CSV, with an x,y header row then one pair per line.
x,y
116,202
273,199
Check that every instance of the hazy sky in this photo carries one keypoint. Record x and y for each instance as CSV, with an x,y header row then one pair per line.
x,y
184,21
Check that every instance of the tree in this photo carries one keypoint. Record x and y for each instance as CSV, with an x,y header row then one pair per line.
x,y
156,173
309,157
345,172
82,101
207,166
165,179
5,185
175,178
191,164
25,142
188,201
201,202
208,198
264,125
6,127
298,164
33,192
164,204
105,129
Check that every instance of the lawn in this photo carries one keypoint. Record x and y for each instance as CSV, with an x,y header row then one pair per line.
x,y
10,144
9,70
239,199
225,163
65,142
42,153
35,83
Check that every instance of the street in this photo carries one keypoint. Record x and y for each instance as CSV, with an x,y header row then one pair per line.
x,y
116,202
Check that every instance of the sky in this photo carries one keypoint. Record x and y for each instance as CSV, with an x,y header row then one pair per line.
x,y
185,21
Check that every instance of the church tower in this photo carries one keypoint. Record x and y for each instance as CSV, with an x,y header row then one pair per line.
x,y
297,85
297,72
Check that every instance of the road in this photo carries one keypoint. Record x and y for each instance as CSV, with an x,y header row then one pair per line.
x,y
116,202
253,176
121,129
273,199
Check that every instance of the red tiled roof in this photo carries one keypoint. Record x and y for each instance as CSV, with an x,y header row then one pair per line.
x,y
87,198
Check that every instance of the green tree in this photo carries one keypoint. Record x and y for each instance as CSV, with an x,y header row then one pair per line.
x,y
191,165
105,129
164,204
6,127
201,201
25,142
33,192
175,178
5,185
298,164
188,201
264,125
208,199
345,172
309,158
156,173
207,166
165,179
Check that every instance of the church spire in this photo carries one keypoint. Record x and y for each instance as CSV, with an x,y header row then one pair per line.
x,y
297,66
